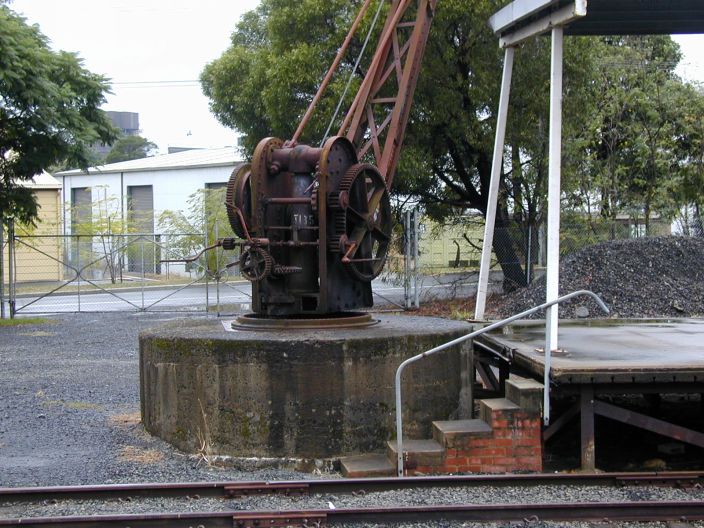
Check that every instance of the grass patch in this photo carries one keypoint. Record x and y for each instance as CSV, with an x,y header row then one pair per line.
x,y
82,406
143,456
126,419
26,321
37,333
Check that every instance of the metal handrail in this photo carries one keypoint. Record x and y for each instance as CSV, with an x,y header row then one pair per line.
x,y
493,326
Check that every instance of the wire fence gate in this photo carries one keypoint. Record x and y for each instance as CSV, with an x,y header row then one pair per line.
x,y
102,273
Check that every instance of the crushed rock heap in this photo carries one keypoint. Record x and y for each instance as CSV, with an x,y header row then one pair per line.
x,y
642,277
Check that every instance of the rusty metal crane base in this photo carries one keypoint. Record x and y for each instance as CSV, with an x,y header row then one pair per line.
x,y
314,223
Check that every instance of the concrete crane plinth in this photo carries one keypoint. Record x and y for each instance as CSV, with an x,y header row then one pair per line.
x,y
307,394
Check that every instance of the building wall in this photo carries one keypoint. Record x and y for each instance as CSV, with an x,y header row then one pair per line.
x,y
438,249
171,187
40,261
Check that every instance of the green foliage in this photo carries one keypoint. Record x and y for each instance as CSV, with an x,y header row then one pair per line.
x,y
639,140
628,143
129,148
205,220
49,112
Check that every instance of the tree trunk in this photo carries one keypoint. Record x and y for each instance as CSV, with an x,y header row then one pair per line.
x,y
697,224
505,251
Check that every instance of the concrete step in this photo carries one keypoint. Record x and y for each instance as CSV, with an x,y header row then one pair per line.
x,y
494,408
454,434
418,453
366,466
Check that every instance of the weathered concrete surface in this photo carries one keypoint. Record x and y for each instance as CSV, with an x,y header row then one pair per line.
x,y
609,350
297,393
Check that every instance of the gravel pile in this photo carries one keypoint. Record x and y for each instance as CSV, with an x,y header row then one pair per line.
x,y
642,277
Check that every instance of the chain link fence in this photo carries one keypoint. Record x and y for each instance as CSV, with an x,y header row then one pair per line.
x,y
453,249
79,273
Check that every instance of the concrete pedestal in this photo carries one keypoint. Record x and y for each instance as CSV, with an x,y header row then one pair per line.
x,y
297,393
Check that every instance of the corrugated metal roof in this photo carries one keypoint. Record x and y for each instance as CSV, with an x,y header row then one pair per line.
x,y
640,17
608,17
42,181
179,160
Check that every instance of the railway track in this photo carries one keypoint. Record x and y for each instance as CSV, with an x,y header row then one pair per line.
x,y
645,510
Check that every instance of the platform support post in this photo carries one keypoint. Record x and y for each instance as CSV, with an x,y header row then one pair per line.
x,y
493,196
587,428
553,261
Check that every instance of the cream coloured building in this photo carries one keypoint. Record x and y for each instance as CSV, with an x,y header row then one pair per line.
x,y
38,258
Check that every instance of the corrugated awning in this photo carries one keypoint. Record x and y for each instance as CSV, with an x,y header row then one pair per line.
x,y
640,17
522,19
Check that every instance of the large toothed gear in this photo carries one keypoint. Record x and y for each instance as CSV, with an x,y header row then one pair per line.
x,y
255,263
238,198
363,224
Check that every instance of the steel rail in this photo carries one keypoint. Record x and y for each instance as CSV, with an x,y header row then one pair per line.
x,y
682,479
568,511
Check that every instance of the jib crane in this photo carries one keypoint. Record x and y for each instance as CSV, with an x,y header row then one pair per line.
x,y
314,223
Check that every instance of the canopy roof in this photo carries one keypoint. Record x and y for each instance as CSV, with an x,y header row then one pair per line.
x,y
603,17
640,17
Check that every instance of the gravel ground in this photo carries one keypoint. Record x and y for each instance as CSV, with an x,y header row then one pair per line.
x,y
641,277
69,414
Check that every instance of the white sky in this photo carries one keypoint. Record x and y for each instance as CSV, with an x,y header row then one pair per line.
x,y
132,41
171,40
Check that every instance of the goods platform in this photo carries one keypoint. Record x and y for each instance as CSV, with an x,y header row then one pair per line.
x,y
598,358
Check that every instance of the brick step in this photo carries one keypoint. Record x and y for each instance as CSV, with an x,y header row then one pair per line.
x,y
506,438
418,454
367,466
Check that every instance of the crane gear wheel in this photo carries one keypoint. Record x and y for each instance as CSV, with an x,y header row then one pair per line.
x,y
363,223
255,263
238,197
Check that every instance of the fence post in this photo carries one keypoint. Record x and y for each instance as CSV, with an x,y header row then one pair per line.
x,y
2,270
11,265
529,249
416,265
78,274
143,277
205,268
217,270
407,259
168,255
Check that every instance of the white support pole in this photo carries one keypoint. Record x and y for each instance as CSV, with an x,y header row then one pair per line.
x,y
553,260
496,166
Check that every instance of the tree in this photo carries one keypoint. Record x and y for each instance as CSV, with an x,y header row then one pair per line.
x,y
102,227
635,148
49,112
262,84
129,148
688,183
205,220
